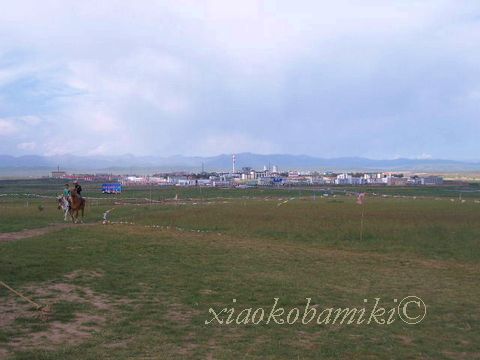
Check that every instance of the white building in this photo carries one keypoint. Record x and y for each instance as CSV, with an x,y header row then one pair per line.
x,y
432,180
343,179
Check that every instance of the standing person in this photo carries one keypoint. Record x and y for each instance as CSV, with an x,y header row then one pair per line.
x,y
78,188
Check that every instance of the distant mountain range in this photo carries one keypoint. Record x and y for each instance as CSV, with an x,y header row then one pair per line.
x,y
131,163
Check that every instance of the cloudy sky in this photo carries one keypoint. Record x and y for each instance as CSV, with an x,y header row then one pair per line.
x,y
372,78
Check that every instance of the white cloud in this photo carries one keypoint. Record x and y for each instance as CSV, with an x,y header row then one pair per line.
x,y
18,125
27,146
99,150
99,122
30,120
7,127
424,156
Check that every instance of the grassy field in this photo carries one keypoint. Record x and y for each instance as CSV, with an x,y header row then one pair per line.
x,y
142,286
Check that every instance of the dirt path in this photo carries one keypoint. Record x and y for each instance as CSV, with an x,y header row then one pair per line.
x,y
18,235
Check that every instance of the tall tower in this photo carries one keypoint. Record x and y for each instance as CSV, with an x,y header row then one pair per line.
x,y
233,164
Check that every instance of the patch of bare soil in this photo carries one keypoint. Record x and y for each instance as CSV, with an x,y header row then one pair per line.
x,y
180,314
308,340
3,353
18,235
461,355
84,274
405,340
33,329
12,236
58,333
207,292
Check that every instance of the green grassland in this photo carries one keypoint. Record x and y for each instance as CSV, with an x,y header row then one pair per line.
x,y
144,289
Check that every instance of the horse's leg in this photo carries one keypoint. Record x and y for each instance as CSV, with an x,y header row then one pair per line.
x,y
71,214
83,209
66,213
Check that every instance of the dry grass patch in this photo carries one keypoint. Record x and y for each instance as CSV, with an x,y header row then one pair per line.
x,y
180,314
73,314
87,274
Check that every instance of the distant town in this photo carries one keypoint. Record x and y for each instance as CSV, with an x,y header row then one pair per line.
x,y
249,177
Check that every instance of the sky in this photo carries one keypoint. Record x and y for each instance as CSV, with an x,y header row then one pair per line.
x,y
373,78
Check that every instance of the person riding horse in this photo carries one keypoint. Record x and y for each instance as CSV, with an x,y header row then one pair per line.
x,y
71,202
66,192
78,188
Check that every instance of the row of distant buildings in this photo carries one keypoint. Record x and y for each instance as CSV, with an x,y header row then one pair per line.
x,y
295,178
60,174
266,177
381,179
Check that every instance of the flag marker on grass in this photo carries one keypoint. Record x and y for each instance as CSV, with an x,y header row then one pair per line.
x,y
361,201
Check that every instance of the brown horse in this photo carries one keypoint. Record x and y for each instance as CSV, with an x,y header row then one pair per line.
x,y
77,204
